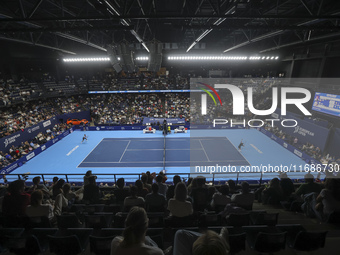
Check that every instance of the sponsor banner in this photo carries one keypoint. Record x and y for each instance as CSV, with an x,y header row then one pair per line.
x,y
26,135
308,159
30,156
170,121
103,128
306,130
24,159
29,133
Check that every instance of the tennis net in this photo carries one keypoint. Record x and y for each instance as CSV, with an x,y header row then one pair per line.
x,y
164,152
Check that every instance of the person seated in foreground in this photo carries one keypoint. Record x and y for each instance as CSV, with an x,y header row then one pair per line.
x,y
220,198
272,194
155,202
133,241
60,203
328,201
122,191
133,199
37,208
16,200
210,243
91,191
38,186
171,189
245,199
162,186
297,198
179,206
142,192
308,187
200,194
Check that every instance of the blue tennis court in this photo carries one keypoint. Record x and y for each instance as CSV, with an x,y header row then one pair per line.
x,y
149,152
128,153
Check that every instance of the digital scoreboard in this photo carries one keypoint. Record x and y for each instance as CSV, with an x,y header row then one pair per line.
x,y
327,103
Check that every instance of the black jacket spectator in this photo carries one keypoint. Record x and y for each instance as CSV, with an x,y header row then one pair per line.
x,y
122,191
91,191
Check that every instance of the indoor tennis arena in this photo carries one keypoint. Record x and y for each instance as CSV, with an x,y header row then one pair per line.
x,y
169,127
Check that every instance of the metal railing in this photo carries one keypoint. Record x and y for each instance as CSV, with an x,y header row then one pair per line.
x,y
113,177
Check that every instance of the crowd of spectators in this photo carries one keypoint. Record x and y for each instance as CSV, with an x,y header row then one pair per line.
x,y
125,108
308,148
18,117
177,105
180,202
16,152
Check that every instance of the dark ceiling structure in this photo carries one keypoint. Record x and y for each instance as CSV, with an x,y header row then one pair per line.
x,y
219,26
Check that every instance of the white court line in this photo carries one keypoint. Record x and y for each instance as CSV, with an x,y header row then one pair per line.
x,y
255,148
90,152
204,152
238,150
124,151
69,153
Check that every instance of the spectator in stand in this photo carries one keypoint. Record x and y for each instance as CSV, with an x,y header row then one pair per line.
x,y
72,197
155,202
57,188
60,203
87,176
297,198
245,199
308,187
121,192
171,189
328,201
232,187
42,187
151,177
220,199
209,243
200,195
179,206
286,185
16,200
91,191
272,194
142,192
162,186
54,182
211,192
37,208
133,199
144,180
134,240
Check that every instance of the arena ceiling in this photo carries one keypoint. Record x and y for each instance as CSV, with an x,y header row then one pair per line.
x,y
204,26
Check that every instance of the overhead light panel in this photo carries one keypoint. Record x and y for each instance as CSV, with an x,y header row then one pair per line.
x,y
99,59
142,58
221,58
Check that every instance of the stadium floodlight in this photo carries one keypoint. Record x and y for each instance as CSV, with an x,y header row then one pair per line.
x,y
220,58
86,59
142,58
